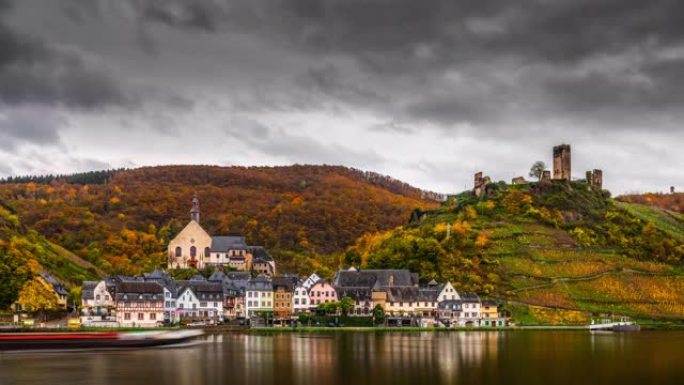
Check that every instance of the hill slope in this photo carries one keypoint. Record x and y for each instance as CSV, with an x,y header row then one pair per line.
x,y
672,202
558,252
297,212
24,254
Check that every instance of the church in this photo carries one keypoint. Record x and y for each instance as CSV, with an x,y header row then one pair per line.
x,y
193,247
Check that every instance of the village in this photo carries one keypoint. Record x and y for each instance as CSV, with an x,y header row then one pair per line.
x,y
246,288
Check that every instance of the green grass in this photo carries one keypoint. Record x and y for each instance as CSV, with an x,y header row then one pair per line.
x,y
670,223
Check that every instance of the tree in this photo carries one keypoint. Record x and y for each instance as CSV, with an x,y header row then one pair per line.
x,y
537,170
36,296
378,314
346,305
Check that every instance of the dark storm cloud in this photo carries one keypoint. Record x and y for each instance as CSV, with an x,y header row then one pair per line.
x,y
200,14
32,71
515,58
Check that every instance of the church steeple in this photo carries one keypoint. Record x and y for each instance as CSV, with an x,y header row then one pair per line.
x,y
195,211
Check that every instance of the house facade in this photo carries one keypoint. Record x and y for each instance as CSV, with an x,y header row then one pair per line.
x,y
321,292
259,297
139,304
200,300
98,306
300,298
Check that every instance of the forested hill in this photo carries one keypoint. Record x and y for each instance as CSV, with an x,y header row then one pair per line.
x,y
123,220
672,202
24,254
557,251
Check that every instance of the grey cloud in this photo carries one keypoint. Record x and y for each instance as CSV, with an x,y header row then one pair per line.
x,y
29,125
201,15
31,71
297,148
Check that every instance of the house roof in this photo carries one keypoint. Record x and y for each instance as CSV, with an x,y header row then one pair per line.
x,y
377,279
470,298
450,305
163,278
259,284
428,294
260,254
402,294
224,243
133,290
357,294
203,290
88,289
286,283
56,285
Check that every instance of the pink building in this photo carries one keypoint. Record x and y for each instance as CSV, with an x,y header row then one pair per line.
x,y
322,292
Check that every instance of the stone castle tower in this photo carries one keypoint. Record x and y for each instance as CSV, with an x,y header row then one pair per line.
x,y
195,210
562,162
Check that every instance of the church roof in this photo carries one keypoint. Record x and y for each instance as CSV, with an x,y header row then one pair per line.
x,y
224,243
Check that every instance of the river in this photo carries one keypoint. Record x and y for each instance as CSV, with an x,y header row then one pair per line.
x,y
513,357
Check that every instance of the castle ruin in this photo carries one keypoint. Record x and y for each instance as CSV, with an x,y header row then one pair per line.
x,y
595,178
480,183
562,162
562,171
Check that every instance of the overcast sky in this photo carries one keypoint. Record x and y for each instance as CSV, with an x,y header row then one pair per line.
x,y
426,91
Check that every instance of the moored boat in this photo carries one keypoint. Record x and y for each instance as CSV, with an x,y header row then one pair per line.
x,y
94,340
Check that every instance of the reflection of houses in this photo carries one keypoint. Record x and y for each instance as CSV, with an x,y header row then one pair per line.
x,y
193,247
139,303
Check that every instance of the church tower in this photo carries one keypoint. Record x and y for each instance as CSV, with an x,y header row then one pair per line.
x,y
195,211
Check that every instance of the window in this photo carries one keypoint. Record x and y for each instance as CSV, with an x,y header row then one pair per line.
x,y
141,316
193,251
179,252
296,301
215,304
153,316
127,316
203,304
207,252
97,297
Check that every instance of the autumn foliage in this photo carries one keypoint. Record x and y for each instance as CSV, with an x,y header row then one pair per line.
x,y
123,225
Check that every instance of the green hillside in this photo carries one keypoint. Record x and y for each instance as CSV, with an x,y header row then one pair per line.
x,y
557,252
24,254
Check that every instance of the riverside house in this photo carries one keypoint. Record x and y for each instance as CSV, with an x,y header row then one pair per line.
x,y
199,299
98,303
259,296
300,298
321,292
283,289
139,304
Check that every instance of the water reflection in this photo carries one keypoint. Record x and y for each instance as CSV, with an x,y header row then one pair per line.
x,y
366,358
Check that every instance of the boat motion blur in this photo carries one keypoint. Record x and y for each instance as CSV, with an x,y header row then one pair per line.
x,y
94,340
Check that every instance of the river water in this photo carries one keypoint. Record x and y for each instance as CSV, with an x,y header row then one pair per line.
x,y
514,357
